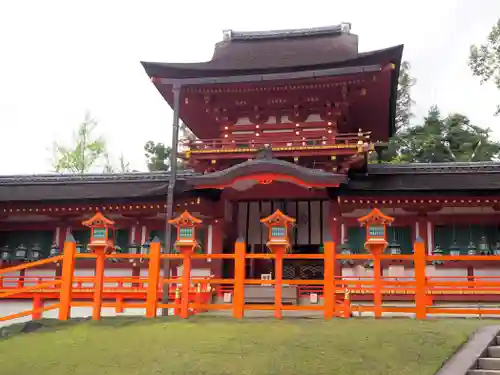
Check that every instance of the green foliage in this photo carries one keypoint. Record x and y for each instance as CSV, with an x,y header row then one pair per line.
x,y
86,151
157,156
484,60
452,139
123,165
404,104
404,100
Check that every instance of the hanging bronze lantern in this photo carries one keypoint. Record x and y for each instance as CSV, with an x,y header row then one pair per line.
x,y
438,252
54,250
471,249
496,249
35,253
5,254
454,249
484,247
20,252
345,249
394,248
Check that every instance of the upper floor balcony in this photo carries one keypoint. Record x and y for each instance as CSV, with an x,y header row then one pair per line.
x,y
287,145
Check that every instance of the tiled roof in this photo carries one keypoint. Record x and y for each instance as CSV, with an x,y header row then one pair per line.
x,y
267,165
380,177
275,51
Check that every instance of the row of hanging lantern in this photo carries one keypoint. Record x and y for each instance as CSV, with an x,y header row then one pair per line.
x,y
21,253
481,248
394,248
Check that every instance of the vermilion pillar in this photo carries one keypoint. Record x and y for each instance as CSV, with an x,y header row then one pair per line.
x,y
423,232
335,220
217,245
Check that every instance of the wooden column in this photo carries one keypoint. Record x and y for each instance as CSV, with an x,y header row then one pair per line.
x,y
377,280
98,284
335,216
67,278
239,279
186,274
215,243
278,283
153,278
419,264
329,279
37,305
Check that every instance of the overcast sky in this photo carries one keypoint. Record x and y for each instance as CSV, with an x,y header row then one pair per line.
x,y
61,58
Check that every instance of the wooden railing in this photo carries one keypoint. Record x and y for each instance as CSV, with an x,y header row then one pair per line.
x,y
189,295
347,140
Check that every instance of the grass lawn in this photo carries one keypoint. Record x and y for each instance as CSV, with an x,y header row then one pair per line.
x,y
219,346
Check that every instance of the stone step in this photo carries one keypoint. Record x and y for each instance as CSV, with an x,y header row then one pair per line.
x,y
489,363
494,351
483,372
498,340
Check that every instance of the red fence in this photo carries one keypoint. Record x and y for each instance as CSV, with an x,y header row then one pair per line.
x,y
188,295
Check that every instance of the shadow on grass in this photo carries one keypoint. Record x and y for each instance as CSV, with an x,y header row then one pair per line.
x,y
54,325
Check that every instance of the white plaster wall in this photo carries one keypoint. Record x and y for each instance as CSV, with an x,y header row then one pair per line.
x,y
144,272
195,272
361,271
84,272
38,273
357,271
460,273
8,282
487,272
13,307
347,271
116,272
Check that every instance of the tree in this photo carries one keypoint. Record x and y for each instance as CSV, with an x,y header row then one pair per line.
x,y
404,101
123,165
86,152
452,139
484,60
158,155
404,104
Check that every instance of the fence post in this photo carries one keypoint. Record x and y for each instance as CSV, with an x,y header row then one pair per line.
x,y
239,279
98,282
278,282
177,309
419,263
329,292
377,281
153,278
37,305
68,267
186,284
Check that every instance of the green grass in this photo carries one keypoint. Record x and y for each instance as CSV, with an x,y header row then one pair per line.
x,y
219,346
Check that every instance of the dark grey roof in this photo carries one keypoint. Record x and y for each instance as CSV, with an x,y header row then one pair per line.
x,y
87,178
267,165
473,178
86,187
428,168
278,51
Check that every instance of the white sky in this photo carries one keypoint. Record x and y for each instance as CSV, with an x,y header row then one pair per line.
x,y
60,58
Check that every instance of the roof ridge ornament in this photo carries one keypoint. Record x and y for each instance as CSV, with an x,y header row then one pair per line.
x,y
342,28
